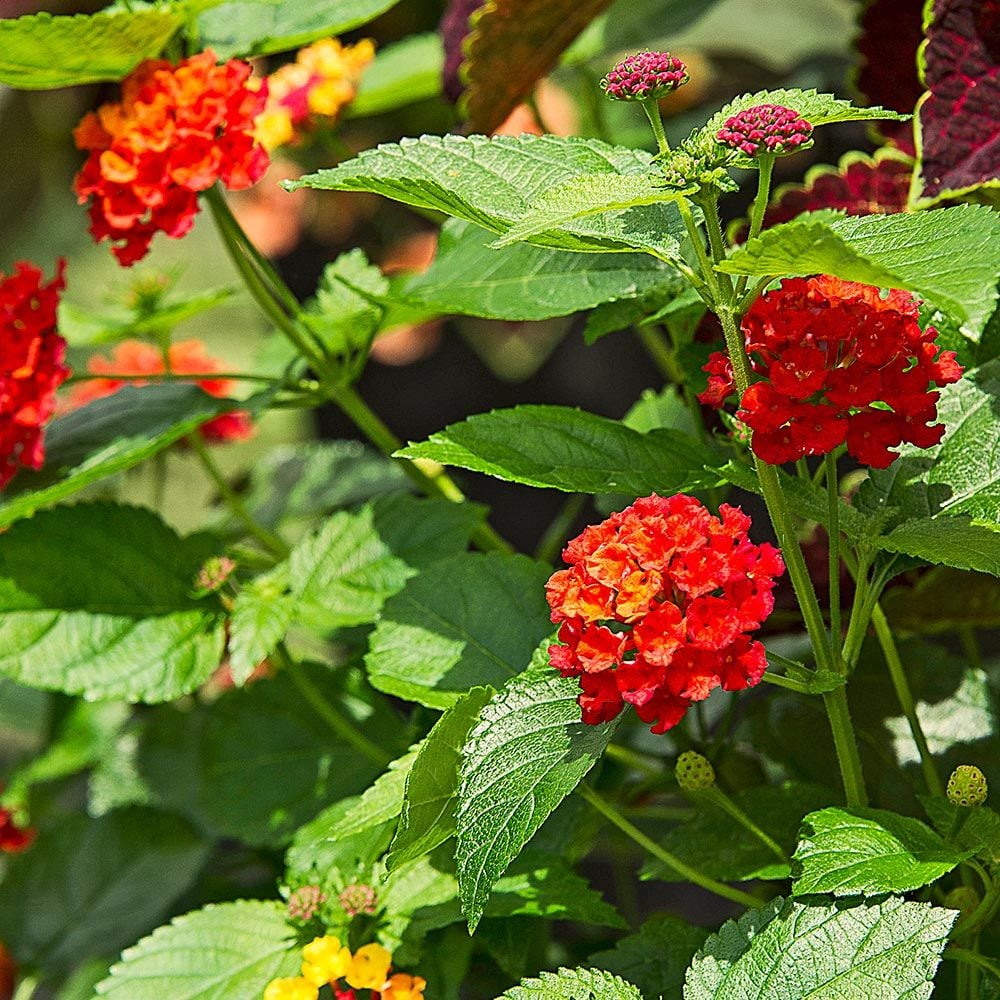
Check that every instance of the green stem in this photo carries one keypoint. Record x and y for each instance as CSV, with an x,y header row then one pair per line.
x,y
857,624
339,723
765,163
904,696
26,988
234,501
967,636
652,108
172,377
698,878
973,958
661,353
788,683
833,531
633,759
437,483
718,797
551,542
981,916
846,745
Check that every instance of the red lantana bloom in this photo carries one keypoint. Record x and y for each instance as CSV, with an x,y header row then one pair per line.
x,y
175,132
13,838
31,365
656,608
840,362
185,357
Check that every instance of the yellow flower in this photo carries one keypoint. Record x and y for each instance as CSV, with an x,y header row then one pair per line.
x,y
404,987
290,989
325,960
370,968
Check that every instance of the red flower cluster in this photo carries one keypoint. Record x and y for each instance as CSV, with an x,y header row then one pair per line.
x,y
177,130
645,75
839,363
185,357
656,606
31,365
13,838
766,128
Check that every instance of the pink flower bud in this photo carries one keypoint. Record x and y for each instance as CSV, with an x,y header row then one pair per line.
x,y
645,75
766,128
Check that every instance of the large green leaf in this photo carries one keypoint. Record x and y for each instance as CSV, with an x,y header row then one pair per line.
x,y
867,852
39,51
428,814
655,957
258,762
403,73
81,615
490,182
573,984
108,436
91,886
527,282
951,256
944,599
230,950
466,621
528,751
706,841
561,448
786,951
257,27
942,504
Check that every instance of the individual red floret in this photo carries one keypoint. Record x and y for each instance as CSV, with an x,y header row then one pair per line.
x,y
14,838
766,128
673,592
31,365
176,131
839,361
645,76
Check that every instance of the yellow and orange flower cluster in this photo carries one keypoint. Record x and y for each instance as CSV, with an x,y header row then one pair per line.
x,y
323,79
326,961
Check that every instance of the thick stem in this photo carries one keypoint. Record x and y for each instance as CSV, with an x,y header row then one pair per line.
x,y
833,509
846,746
649,845
272,542
438,483
652,108
905,698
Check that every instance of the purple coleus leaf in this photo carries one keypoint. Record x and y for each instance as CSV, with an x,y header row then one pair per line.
x,y
891,32
454,29
958,126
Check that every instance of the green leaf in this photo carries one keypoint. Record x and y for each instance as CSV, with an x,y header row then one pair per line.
x,y
24,722
107,621
589,194
707,841
343,574
39,51
867,852
262,614
530,283
655,957
428,815
108,436
944,599
929,253
560,448
788,950
259,27
528,751
345,313
978,829
573,984
379,804
491,182
468,620
90,886
258,763
230,950
402,74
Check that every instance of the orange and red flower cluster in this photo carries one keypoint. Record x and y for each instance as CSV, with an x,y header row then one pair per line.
x,y
31,365
326,961
656,607
322,81
185,357
175,132
839,362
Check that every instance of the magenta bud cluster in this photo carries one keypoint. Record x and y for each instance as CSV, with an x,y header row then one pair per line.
x,y
766,128
645,75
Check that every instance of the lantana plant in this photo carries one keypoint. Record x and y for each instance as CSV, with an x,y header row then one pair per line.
x,y
728,731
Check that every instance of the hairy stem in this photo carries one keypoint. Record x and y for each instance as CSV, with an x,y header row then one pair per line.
x,y
766,164
609,812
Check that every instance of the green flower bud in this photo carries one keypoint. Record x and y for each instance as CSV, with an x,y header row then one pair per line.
x,y
694,772
967,786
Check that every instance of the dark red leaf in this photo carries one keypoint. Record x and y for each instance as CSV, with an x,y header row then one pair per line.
x,y
454,29
959,119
